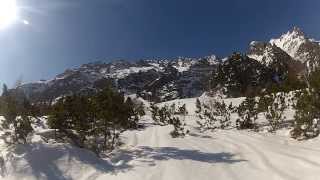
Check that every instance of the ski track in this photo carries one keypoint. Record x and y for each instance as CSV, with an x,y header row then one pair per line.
x,y
263,157
282,151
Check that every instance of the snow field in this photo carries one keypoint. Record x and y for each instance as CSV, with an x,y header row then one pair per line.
x,y
151,154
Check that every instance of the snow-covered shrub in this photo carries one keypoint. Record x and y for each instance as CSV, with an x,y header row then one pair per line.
x,y
17,111
162,115
165,115
248,113
154,112
182,110
139,108
198,106
213,114
308,109
232,108
273,107
170,116
94,122
179,130
307,115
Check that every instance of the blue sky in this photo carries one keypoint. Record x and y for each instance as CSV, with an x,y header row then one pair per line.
x,y
67,33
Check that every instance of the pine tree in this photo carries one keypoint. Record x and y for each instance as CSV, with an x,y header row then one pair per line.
x,y
183,110
307,115
8,108
24,127
155,113
265,102
214,114
231,108
178,125
223,114
106,115
101,116
5,91
248,113
140,109
17,112
172,109
81,120
165,115
58,116
198,106
308,109
207,118
131,111
274,111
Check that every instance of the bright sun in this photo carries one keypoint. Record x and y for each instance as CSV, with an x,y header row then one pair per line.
x,y
8,12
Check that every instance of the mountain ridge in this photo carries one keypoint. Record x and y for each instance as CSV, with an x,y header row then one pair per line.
x,y
292,54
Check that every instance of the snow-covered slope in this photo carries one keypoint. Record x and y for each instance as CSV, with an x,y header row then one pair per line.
x,y
152,154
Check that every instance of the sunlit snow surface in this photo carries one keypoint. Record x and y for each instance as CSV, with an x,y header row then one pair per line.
x,y
152,154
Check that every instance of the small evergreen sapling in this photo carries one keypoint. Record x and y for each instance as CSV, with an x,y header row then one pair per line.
x,y
248,113
275,111
16,110
178,124
223,114
198,106
179,130
213,114
307,116
308,109
155,112
167,115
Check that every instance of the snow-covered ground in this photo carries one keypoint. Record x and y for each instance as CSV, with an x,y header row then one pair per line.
x,y
151,153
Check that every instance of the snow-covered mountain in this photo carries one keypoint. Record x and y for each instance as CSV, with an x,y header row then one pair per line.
x,y
267,53
299,47
281,62
291,55
275,58
291,42
164,79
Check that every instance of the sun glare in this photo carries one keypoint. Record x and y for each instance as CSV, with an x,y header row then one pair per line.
x,y
8,12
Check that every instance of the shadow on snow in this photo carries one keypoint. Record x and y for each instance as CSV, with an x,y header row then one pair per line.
x,y
42,159
150,155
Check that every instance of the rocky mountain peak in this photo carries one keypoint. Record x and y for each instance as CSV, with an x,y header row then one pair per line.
x,y
267,53
291,42
300,48
297,31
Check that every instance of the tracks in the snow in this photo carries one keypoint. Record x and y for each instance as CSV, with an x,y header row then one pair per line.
x,y
258,155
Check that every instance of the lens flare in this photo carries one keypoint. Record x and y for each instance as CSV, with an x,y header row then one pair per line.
x,y
25,22
8,12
